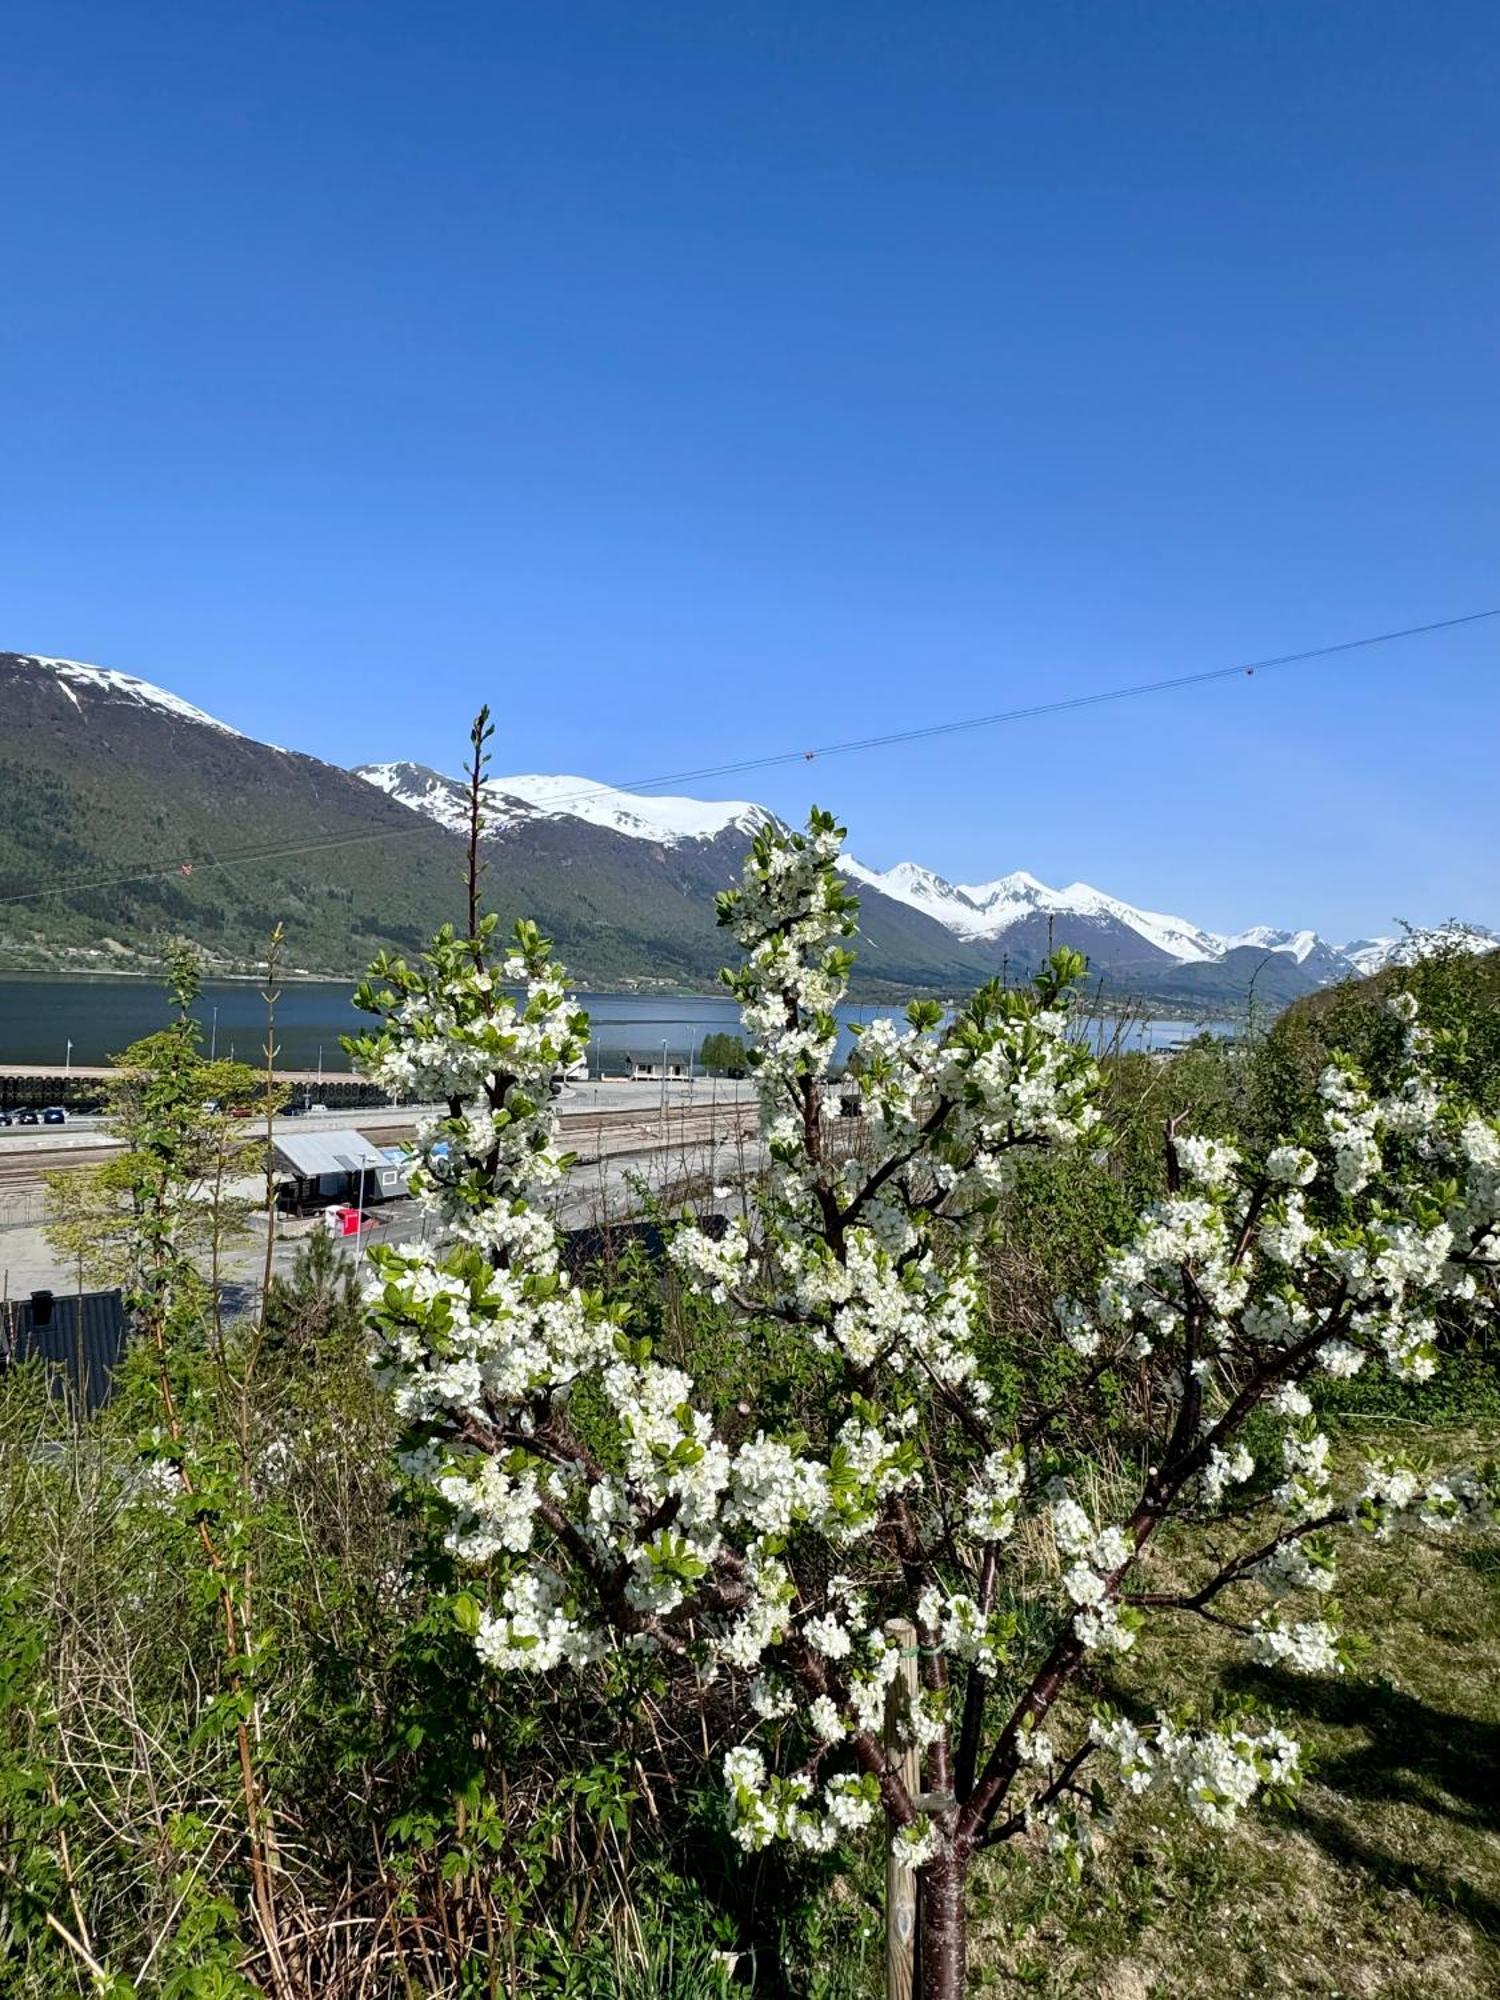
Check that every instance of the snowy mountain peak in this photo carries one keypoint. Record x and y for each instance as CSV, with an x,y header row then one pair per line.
x,y
1017,884
920,889
425,791
639,816
1261,937
989,909
1115,935
72,675
1368,955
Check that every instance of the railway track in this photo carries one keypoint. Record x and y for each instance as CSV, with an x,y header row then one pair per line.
x,y
18,1166
593,1135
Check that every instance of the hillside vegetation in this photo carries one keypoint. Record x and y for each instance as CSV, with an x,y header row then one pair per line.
x,y
123,824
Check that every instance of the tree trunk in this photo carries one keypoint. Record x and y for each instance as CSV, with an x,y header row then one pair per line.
x,y
941,1930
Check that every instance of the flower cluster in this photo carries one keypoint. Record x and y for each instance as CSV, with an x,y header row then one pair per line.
x,y
1311,1647
1237,1258
1217,1772
1095,1559
1397,1496
764,1806
1304,1458
457,1031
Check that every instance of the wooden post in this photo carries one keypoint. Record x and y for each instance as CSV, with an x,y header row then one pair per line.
x,y
905,1760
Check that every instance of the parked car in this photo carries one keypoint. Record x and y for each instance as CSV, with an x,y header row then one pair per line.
x,y
6,1119
28,1115
54,1115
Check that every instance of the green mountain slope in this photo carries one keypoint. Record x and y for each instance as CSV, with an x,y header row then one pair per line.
x,y
127,817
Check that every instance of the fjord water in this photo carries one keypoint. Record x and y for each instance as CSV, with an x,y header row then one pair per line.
x,y
42,1013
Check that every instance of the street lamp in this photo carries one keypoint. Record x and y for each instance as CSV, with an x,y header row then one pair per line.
x,y
213,1037
68,1061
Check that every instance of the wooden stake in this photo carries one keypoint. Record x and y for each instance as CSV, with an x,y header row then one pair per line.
x,y
904,1759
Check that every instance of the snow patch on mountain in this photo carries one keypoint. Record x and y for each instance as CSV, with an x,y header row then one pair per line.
x,y
423,790
1369,955
663,821
641,816
75,674
989,909
1297,944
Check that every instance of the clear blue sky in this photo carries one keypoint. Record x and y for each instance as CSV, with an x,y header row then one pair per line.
x,y
694,380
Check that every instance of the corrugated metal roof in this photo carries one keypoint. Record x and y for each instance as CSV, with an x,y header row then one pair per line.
x,y
83,1337
310,1154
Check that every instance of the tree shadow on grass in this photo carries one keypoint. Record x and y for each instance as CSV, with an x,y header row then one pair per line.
x,y
1414,1754
1429,1885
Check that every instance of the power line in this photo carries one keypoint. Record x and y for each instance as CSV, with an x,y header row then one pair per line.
x,y
1063,705
1040,708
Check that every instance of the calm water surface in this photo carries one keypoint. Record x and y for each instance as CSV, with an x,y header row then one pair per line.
x,y
40,1015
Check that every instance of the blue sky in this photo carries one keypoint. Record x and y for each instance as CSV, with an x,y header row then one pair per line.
x,y
692,381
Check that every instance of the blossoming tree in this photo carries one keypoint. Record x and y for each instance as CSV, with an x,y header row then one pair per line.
x,y
776,1564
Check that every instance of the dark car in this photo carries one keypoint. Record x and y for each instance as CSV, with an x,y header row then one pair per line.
x,y
54,1115
28,1115
6,1119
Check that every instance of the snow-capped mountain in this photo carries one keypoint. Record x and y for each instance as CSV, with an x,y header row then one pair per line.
x,y
1116,934
1369,955
1013,898
223,834
1300,945
1013,919
114,686
989,909
665,821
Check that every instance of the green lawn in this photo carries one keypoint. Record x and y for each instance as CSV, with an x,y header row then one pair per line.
x,y
1383,1883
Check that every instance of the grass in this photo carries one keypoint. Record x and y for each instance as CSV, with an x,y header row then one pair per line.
x,y
1383,1883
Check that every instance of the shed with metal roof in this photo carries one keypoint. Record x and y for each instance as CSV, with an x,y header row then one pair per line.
x,y
323,1167
80,1338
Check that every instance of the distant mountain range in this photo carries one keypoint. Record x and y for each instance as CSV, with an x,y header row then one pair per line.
x,y
127,814
1013,920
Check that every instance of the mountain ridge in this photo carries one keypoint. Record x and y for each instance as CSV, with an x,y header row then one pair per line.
x,y
127,813
128,816
1014,919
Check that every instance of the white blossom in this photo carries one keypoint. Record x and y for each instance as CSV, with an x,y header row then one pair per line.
x,y
1310,1647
